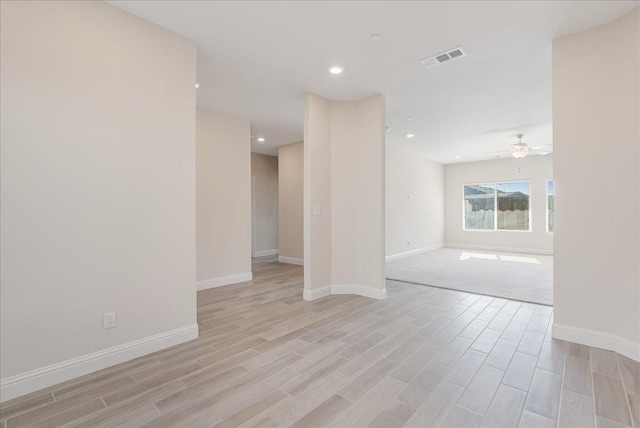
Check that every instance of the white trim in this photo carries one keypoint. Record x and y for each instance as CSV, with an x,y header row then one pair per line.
x,y
360,290
412,252
265,253
501,249
291,260
549,180
597,339
306,200
25,383
224,280
318,293
253,217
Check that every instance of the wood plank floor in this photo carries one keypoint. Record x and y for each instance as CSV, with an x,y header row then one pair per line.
x,y
422,357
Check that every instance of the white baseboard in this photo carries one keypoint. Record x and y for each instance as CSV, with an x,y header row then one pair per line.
x,y
360,290
291,260
597,339
16,386
500,249
413,252
318,293
224,280
265,253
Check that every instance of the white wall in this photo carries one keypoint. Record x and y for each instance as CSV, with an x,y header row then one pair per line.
x,y
344,177
223,188
357,192
317,193
597,171
264,171
98,189
414,203
536,169
291,202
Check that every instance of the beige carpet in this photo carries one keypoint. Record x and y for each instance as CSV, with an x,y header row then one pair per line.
x,y
526,277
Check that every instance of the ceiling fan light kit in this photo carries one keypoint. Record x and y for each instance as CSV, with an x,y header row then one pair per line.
x,y
520,153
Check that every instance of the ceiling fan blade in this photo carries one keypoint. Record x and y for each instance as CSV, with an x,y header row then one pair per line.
x,y
540,147
499,151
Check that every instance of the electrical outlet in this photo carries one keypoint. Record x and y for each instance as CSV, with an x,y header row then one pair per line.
x,y
109,319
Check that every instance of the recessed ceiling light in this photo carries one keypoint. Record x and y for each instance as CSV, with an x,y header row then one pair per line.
x,y
336,69
410,135
409,118
197,85
260,139
457,157
375,37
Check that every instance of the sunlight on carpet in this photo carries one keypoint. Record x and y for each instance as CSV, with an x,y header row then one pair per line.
x,y
526,277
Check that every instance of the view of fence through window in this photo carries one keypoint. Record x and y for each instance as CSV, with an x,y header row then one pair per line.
x,y
511,200
550,206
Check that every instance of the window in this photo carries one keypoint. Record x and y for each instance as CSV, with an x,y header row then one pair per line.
x,y
502,206
480,203
550,206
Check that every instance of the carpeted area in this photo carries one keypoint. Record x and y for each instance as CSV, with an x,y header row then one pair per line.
x,y
525,277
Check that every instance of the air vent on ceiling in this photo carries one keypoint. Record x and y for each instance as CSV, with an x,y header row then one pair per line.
x,y
443,57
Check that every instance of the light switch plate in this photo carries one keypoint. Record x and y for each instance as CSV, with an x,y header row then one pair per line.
x,y
109,320
316,210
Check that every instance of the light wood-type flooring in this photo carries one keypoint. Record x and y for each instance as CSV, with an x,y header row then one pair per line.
x,y
422,357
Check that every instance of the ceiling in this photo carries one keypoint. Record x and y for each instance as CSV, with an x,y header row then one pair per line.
x,y
256,60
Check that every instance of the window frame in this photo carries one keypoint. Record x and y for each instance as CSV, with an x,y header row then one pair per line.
x,y
546,199
495,214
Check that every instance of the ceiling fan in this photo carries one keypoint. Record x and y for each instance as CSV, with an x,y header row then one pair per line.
x,y
520,149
